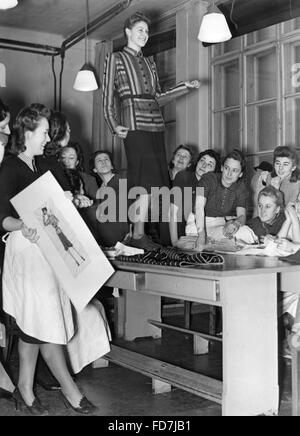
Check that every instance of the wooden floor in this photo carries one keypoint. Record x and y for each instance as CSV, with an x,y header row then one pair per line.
x,y
120,392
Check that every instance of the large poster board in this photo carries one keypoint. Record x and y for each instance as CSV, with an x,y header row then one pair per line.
x,y
65,240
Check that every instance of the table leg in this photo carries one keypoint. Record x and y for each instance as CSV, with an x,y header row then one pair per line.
x,y
138,309
250,347
295,383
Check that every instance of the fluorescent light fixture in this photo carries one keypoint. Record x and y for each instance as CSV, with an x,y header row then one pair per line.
x,y
214,27
8,4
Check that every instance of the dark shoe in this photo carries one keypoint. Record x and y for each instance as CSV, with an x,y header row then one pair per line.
x,y
85,406
36,409
144,243
6,394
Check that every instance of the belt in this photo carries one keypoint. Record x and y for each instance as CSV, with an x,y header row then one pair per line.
x,y
138,96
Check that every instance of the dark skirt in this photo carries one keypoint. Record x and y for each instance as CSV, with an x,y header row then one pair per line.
x,y
14,329
146,160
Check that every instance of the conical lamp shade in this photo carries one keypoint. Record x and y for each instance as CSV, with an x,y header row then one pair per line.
x,y
85,79
214,27
8,4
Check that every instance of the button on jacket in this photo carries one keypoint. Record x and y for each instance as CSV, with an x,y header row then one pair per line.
x,y
133,79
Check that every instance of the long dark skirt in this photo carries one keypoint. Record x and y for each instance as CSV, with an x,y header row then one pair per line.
x,y
146,159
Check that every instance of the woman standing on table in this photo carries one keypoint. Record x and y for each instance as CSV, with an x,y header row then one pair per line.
x,y
31,293
134,80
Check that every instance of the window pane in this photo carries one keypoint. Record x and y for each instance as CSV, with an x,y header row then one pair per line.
x,y
232,45
296,127
227,92
217,50
267,127
261,75
291,25
266,69
232,131
268,33
166,63
293,122
292,68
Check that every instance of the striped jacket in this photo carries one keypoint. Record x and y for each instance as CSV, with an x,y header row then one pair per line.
x,y
132,79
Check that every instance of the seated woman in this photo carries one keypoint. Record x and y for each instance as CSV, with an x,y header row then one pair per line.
x,y
271,216
285,175
221,207
182,159
111,228
208,161
72,161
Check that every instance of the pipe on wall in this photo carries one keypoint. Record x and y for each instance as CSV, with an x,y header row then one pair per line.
x,y
46,50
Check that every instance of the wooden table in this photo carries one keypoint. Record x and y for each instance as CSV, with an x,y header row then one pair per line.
x,y
246,290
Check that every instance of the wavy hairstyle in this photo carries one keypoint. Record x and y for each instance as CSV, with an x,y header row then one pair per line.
x,y
58,130
77,147
270,191
4,111
211,153
290,153
27,120
131,21
182,147
240,157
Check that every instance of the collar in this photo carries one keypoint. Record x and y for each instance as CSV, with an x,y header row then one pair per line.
x,y
133,52
232,187
28,161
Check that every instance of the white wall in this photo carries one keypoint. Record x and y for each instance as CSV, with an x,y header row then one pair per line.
x,y
29,79
192,63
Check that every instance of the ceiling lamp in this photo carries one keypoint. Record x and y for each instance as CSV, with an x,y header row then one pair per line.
x,y
214,27
85,79
8,4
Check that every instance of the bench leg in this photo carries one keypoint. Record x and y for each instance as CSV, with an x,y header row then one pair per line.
x,y
100,363
159,387
201,346
295,383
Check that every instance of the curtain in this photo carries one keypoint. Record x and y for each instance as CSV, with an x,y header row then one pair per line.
x,y
101,135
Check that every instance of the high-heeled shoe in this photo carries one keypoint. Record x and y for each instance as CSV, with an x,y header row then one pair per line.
x,y
85,406
36,409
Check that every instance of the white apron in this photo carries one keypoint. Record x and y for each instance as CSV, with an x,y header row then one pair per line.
x,y
32,295
91,341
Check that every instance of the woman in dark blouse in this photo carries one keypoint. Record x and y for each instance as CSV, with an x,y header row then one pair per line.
x,y
31,294
208,161
223,200
110,227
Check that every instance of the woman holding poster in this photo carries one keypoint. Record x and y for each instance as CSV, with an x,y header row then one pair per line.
x,y
6,386
31,292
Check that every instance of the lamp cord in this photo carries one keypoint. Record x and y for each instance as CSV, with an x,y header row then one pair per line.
x,y
231,14
86,31
291,9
